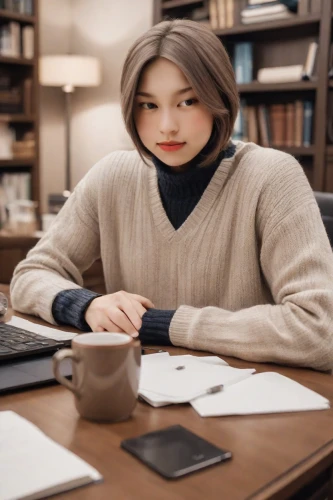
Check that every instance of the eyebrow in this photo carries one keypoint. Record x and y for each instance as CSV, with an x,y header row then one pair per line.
x,y
178,92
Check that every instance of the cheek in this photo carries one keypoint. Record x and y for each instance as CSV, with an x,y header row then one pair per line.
x,y
201,123
143,126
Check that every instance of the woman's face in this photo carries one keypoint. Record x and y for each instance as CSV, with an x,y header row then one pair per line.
x,y
171,122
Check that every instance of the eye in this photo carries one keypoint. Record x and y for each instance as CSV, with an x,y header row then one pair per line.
x,y
147,105
188,102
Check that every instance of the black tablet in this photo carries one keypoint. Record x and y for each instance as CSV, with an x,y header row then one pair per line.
x,y
175,451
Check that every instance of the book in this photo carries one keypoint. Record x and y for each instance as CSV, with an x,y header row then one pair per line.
x,y
308,69
278,124
307,124
266,392
28,42
268,17
264,10
263,126
221,13
213,14
280,74
33,465
299,116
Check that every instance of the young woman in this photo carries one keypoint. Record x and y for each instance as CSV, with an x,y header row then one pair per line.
x,y
205,243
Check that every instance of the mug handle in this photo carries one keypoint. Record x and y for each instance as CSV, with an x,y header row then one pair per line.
x,y
57,358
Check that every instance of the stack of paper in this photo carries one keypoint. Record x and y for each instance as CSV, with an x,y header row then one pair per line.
x,y
33,466
179,379
261,393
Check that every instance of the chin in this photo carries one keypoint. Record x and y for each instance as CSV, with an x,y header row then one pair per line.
x,y
173,160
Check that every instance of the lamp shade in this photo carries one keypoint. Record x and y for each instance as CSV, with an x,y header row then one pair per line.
x,y
76,71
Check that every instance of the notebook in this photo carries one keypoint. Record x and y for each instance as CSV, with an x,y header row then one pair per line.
x,y
267,392
33,466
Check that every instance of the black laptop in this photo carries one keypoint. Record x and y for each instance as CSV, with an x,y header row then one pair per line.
x,y
26,358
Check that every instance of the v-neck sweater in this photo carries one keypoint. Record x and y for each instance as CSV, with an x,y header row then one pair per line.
x,y
180,192
249,272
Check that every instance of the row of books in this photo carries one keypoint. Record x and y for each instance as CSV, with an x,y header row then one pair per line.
x,y
12,147
16,96
222,13
243,66
13,187
17,40
18,6
276,125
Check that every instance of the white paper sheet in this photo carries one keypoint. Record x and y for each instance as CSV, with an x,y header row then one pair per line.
x,y
162,383
267,392
46,331
31,463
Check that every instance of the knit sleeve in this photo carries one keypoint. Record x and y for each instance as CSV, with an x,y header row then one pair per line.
x,y
297,264
69,307
155,327
69,247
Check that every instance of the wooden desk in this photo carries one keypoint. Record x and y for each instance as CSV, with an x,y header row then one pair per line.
x,y
274,456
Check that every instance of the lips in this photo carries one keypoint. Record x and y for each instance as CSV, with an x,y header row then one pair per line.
x,y
171,146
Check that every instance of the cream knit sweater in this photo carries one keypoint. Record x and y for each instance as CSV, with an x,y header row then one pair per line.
x,y
250,271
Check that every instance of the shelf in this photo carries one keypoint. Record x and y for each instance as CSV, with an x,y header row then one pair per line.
x,y
171,4
298,150
256,87
15,16
329,150
298,25
19,118
17,163
16,60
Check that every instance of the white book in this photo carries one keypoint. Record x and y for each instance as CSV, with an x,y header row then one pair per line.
x,y
33,466
28,42
280,74
264,11
267,392
269,18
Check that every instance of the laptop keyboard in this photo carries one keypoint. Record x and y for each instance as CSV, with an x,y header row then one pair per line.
x,y
16,342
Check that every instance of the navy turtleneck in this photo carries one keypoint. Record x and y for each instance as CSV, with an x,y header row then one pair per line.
x,y
180,192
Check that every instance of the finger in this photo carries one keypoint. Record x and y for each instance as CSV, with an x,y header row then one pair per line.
x,y
109,326
120,319
143,300
128,306
139,309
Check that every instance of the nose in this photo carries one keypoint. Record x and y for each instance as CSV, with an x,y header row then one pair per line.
x,y
168,123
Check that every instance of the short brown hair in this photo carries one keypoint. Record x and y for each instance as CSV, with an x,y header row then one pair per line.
x,y
205,63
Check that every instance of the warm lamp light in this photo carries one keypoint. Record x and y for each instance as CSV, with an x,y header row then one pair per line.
x,y
68,72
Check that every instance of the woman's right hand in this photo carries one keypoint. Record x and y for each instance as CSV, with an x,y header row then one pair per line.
x,y
117,312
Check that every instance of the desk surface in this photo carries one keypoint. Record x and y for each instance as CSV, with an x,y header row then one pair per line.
x,y
273,455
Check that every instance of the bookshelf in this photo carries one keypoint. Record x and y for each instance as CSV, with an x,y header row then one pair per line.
x,y
275,43
20,74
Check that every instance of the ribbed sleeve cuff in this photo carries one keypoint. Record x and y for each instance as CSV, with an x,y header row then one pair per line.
x,y
181,325
69,307
155,327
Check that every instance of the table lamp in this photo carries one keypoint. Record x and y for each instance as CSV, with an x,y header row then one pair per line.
x,y
68,72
